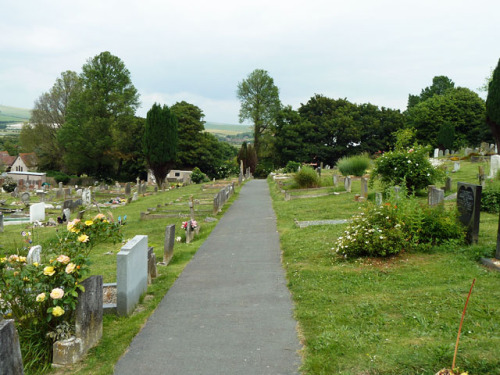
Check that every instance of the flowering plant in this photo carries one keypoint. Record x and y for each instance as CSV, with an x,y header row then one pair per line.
x,y
192,223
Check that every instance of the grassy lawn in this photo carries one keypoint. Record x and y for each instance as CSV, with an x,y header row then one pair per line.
x,y
118,332
388,316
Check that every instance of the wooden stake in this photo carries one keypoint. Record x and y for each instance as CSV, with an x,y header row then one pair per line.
x,y
460,327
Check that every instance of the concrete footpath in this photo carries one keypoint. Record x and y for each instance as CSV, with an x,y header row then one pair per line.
x,y
230,311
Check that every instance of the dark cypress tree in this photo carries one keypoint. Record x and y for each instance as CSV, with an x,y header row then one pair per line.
x,y
159,142
493,105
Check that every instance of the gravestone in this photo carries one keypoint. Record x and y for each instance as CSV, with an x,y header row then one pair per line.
x,y
397,191
335,180
447,184
467,151
88,321
11,362
1,222
151,265
25,197
436,152
189,233
497,253
68,204
364,187
469,205
67,214
436,196
135,196
378,199
440,153
494,165
59,194
128,189
347,184
37,212
456,166
485,147
131,274
34,255
168,247
482,176
79,192
86,197
446,152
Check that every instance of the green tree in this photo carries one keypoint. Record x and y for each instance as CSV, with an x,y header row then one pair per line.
x,y
48,115
440,85
99,117
160,141
260,103
248,155
461,107
493,104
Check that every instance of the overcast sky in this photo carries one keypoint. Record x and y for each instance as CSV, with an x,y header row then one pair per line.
x,y
375,51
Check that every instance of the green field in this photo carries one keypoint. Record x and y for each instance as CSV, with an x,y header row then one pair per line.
x,y
12,114
226,129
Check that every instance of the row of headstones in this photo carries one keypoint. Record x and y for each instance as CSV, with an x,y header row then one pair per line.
x,y
485,148
223,196
348,184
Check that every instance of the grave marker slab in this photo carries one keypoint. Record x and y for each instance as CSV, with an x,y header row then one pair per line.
x,y
347,184
151,265
469,205
1,222
11,362
168,247
88,321
34,255
364,187
494,165
37,212
131,274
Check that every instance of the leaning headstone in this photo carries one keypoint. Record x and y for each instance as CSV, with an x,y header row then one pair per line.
x,y
436,152
128,189
168,247
364,187
494,165
347,184
469,205
37,212
378,199
11,362
34,255
151,265
131,274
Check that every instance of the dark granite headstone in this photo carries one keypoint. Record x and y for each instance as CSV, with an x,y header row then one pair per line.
x,y
168,248
11,362
469,205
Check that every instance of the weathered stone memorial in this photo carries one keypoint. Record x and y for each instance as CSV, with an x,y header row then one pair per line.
x,y
456,166
435,196
364,187
151,265
37,212
447,184
335,180
11,362
378,199
128,189
347,184
34,255
436,152
1,222
86,197
469,205
494,165
168,248
131,274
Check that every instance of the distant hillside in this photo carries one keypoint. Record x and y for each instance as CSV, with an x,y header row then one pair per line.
x,y
13,115
232,134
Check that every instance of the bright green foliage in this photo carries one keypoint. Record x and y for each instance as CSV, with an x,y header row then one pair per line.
x,y
260,103
354,165
306,178
446,136
459,107
405,138
440,85
292,167
410,168
490,197
160,141
493,104
100,119
42,297
198,176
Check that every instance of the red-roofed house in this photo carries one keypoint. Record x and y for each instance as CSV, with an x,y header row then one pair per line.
x,y
24,162
6,160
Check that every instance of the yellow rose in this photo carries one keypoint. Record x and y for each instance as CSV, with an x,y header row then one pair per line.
x,y
57,293
22,259
83,238
64,259
13,258
70,267
3,260
89,223
49,271
57,311
35,264
99,217
40,297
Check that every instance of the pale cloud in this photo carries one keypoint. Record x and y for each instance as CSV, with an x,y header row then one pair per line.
x,y
194,50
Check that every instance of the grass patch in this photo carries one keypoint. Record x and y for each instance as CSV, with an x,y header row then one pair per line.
x,y
393,316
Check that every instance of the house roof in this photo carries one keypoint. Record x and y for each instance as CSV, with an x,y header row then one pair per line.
x,y
6,159
29,158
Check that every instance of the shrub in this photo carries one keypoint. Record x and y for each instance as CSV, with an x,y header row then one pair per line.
x,y
409,168
490,197
263,169
398,225
61,177
292,166
198,176
9,185
354,165
42,297
306,178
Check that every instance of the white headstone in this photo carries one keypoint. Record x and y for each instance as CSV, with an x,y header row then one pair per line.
x,y
494,166
436,152
79,192
456,166
37,212
86,197
67,213
135,196
34,255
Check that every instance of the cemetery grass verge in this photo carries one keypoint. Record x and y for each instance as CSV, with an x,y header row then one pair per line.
x,y
118,332
398,315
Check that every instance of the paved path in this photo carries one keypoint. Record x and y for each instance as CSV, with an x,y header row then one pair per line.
x,y
230,311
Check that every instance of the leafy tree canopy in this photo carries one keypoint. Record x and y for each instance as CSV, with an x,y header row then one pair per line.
x,y
493,104
440,85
